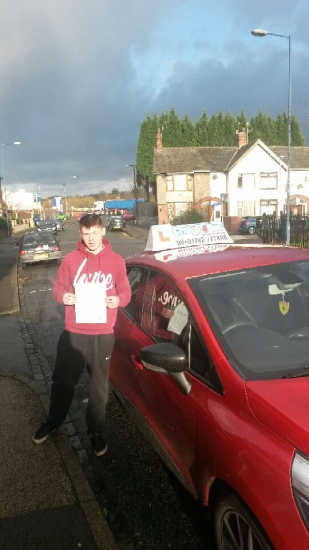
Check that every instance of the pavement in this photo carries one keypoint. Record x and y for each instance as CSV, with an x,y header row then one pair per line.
x,y
46,503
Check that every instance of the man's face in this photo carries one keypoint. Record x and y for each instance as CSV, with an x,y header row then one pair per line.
x,y
92,237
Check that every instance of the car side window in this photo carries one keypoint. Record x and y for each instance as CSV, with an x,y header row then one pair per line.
x,y
137,277
164,314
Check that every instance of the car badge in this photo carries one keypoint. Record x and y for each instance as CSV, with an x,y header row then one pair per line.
x,y
284,307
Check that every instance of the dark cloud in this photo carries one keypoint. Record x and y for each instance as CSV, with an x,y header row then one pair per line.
x,y
71,91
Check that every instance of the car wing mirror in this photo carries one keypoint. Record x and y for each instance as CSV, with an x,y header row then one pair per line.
x,y
166,358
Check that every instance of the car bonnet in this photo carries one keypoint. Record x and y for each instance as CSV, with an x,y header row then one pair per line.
x,y
283,406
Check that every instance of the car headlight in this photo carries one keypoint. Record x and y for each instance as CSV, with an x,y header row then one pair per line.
x,y
300,484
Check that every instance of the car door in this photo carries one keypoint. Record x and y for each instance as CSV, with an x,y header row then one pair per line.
x,y
124,368
171,415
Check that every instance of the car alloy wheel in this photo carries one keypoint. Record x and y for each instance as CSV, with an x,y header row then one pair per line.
x,y
251,230
236,528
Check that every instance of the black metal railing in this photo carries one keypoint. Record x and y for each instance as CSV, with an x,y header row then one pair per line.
x,y
272,229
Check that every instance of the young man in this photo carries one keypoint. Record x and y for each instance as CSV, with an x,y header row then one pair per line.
x,y
91,283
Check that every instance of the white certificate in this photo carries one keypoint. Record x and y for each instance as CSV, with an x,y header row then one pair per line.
x,y
179,320
90,306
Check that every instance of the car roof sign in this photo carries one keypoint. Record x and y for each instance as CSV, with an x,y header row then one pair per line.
x,y
167,236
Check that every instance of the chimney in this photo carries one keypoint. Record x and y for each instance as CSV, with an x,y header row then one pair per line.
x,y
241,138
159,140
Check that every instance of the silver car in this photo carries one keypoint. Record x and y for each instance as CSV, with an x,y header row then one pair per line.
x,y
39,246
115,222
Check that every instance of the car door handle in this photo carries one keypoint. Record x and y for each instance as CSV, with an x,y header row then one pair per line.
x,y
136,362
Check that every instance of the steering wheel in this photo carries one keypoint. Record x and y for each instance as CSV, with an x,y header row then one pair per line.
x,y
238,324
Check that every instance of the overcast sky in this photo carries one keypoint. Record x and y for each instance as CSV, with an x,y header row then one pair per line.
x,y
78,78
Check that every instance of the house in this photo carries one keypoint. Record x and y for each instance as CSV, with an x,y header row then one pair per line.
x,y
230,182
20,200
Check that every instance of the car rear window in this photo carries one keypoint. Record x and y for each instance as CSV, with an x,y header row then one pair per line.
x,y
37,239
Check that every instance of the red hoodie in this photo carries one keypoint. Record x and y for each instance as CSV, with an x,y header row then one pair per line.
x,y
84,267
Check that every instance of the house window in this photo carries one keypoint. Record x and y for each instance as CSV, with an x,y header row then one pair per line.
x,y
179,182
269,180
245,208
245,181
269,207
169,183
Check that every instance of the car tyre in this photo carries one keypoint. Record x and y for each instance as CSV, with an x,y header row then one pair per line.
x,y
23,265
58,262
251,230
235,527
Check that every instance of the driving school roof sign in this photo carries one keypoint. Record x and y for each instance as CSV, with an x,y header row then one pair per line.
x,y
166,237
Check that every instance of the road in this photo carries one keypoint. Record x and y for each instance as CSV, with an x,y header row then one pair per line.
x,y
145,508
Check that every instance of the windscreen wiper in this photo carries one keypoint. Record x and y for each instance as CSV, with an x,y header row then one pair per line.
x,y
304,372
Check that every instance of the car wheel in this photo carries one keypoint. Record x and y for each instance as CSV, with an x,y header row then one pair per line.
x,y
235,527
251,230
58,262
23,265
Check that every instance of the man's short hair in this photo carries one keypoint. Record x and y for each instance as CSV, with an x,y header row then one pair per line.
x,y
90,220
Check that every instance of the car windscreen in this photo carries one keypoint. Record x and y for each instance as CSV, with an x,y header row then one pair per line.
x,y
38,239
260,317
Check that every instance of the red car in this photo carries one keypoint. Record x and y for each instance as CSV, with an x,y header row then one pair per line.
x,y
127,216
212,362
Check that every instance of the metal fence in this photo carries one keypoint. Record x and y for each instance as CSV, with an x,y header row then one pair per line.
x,y
272,229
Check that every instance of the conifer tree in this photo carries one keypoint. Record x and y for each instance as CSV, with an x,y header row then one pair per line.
x,y
297,136
202,131
217,131
188,133
171,129
230,126
145,149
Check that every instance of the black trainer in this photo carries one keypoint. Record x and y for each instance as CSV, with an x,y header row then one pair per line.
x,y
98,444
47,428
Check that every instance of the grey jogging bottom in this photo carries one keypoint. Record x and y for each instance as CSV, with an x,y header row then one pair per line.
x,y
74,353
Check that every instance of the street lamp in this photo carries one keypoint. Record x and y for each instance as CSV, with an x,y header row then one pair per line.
x,y
135,189
65,197
261,33
4,184
67,202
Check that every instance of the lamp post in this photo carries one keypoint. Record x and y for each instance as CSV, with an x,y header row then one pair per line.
x,y
261,33
4,184
135,190
67,202
65,197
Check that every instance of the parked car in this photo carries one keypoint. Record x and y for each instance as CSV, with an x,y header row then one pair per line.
x,y
247,225
63,216
211,362
127,216
39,246
115,222
48,225
59,223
